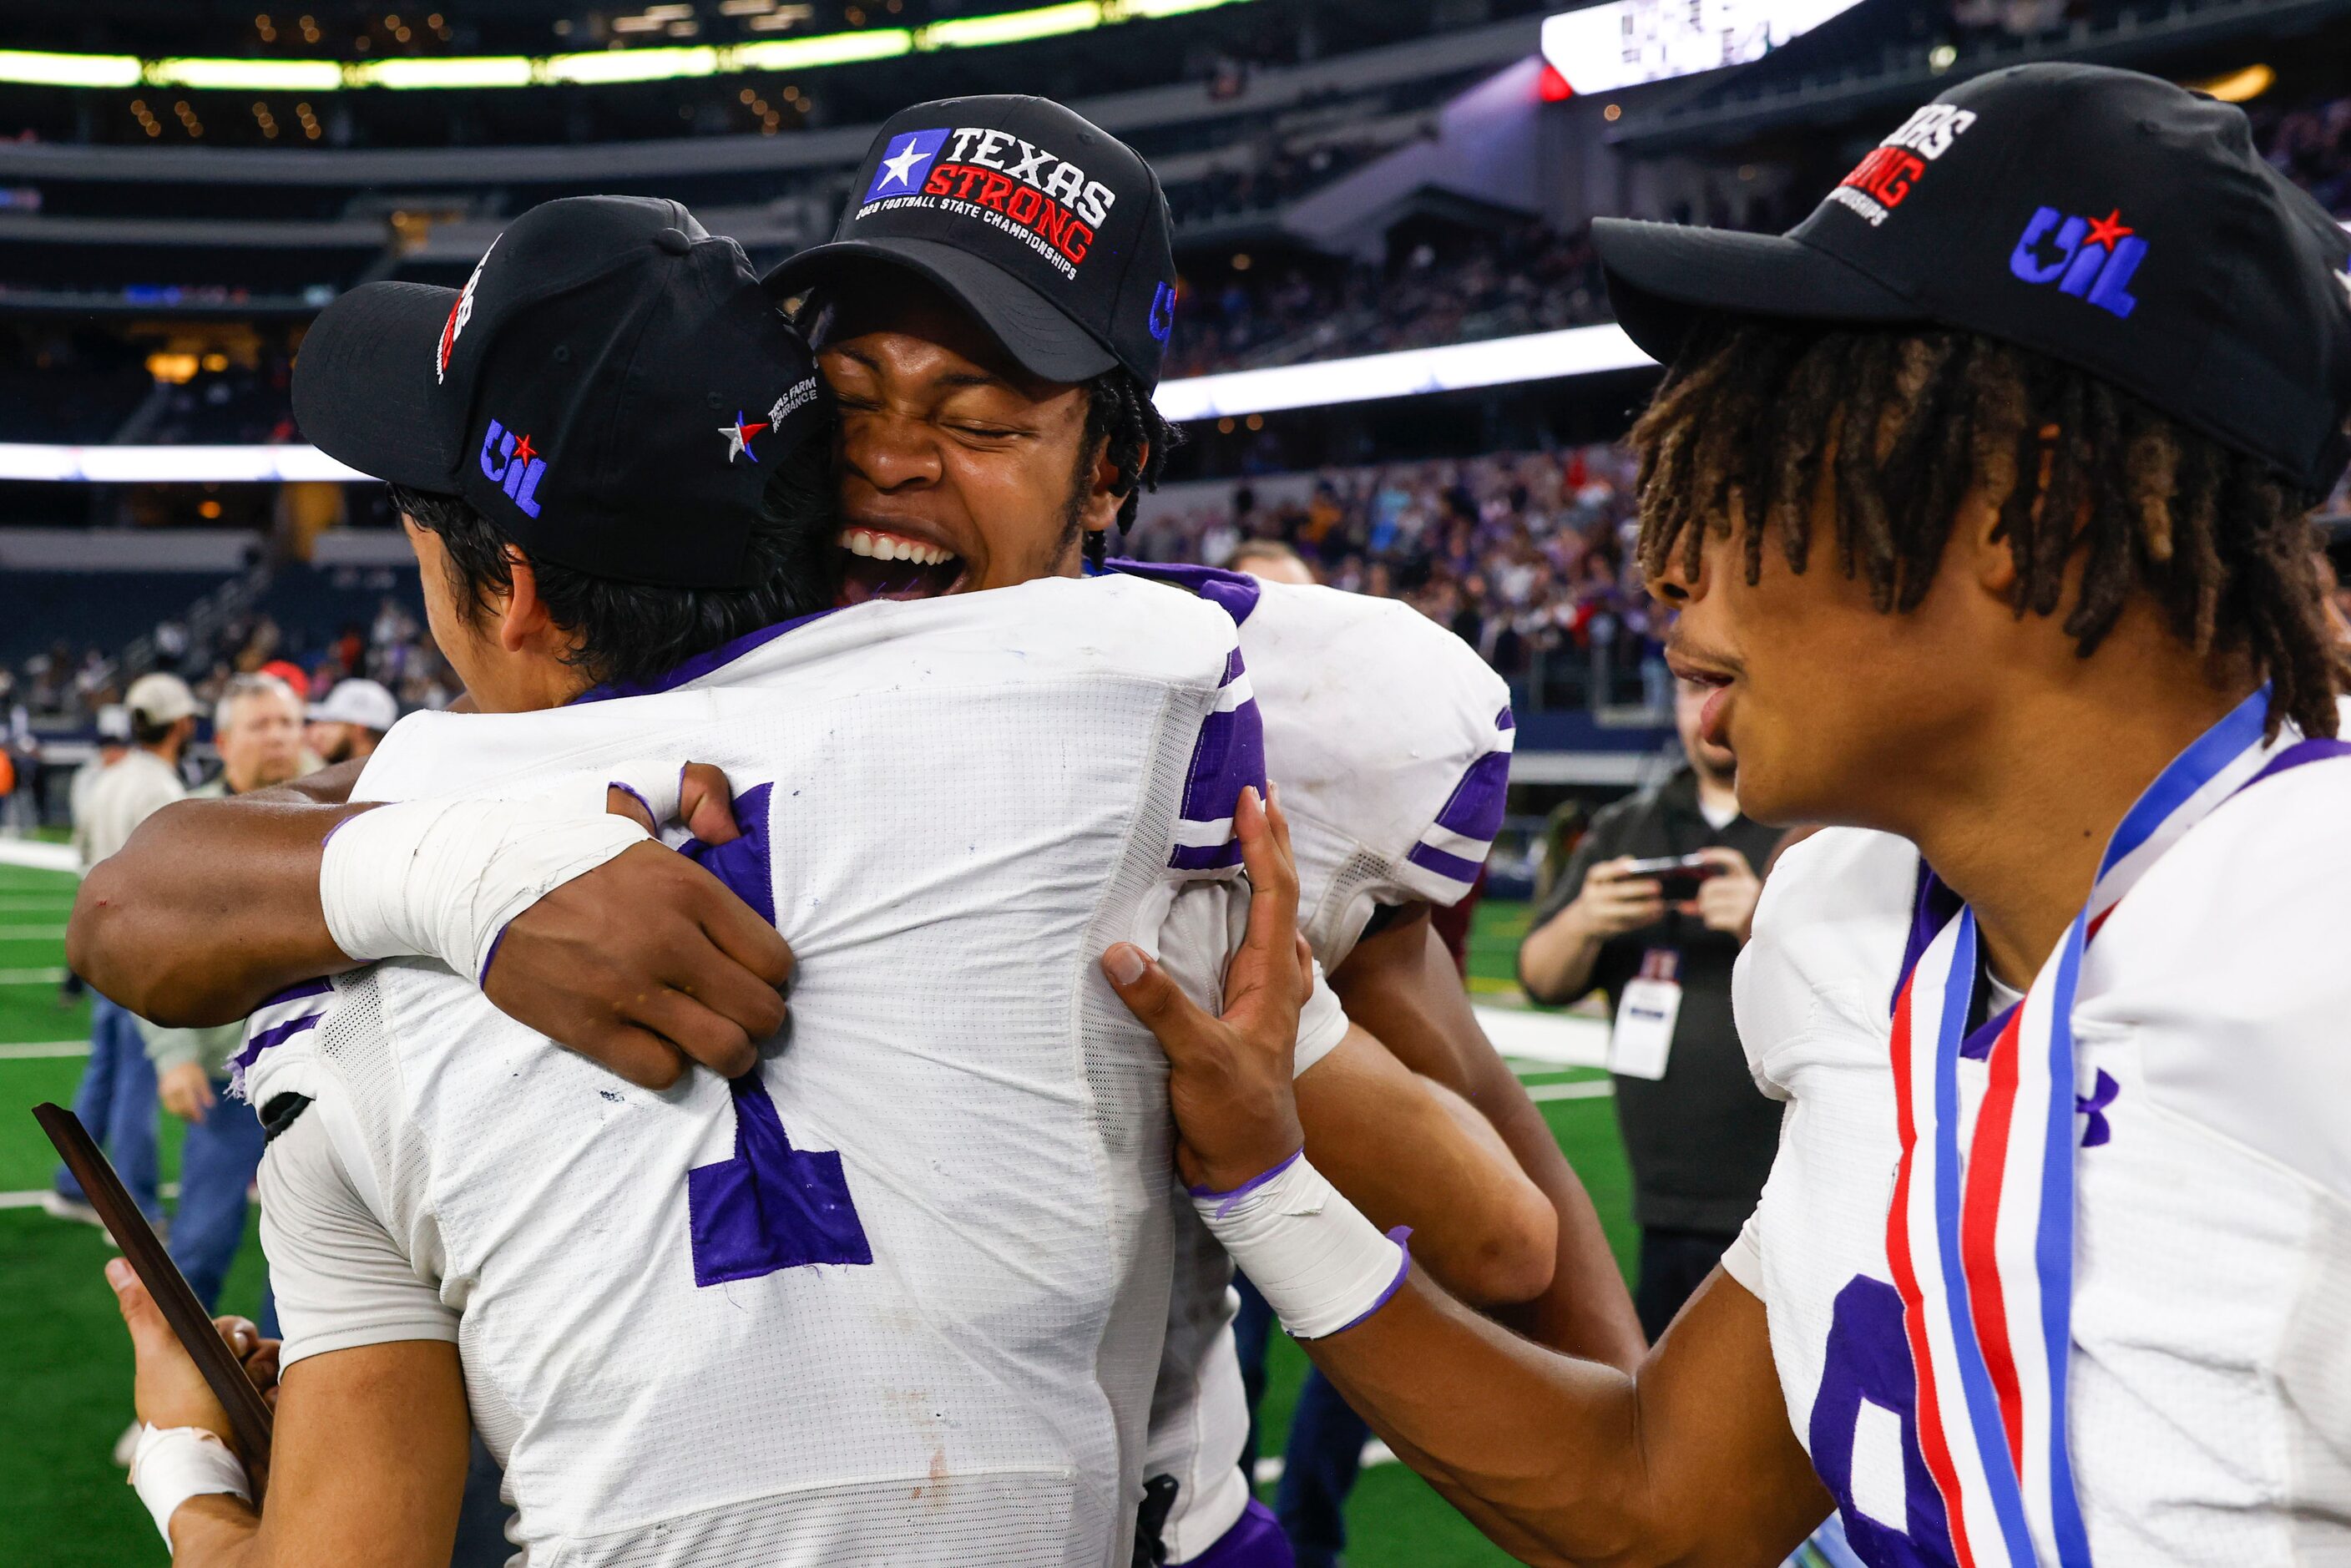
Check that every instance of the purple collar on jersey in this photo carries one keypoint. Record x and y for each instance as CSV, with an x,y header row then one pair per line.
x,y
1236,590
701,664
1934,905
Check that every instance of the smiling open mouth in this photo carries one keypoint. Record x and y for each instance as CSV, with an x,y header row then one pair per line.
x,y
881,565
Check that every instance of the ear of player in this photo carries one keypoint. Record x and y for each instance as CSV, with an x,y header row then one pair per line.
x,y
609,368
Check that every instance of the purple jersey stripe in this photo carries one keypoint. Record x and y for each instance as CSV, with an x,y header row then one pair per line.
x,y
1235,591
1206,857
701,664
1503,720
1444,865
1228,755
317,987
1474,810
1255,1541
1232,667
278,1035
745,865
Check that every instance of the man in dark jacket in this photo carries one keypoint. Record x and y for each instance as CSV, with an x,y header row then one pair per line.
x,y
1699,1135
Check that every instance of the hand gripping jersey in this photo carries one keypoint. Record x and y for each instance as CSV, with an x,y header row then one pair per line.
x,y
2209,1372
898,1297
1390,742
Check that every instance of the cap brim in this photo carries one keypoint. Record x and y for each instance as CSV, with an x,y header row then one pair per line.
x,y
1032,330
366,386
1665,279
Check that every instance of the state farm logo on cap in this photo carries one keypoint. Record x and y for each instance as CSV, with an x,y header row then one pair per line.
x,y
459,314
1038,197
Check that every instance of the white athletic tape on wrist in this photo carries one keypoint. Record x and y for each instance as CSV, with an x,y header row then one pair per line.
x,y
173,1464
1308,1251
441,879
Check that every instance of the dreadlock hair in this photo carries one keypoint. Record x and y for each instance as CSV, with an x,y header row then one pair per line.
x,y
1755,417
1121,412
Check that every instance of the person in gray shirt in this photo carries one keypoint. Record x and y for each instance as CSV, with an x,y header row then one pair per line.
x,y
116,1099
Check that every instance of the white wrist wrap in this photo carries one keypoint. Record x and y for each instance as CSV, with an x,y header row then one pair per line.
x,y
441,879
1310,1251
173,1464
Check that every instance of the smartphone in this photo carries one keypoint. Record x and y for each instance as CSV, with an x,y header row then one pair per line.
x,y
1677,876
249,1413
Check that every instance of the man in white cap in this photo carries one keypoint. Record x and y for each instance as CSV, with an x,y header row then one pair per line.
x,y
350,724
117,1098
113,744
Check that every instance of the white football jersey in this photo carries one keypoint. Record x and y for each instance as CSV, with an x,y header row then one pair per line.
x,y
2208,1394
899,1296
1390,742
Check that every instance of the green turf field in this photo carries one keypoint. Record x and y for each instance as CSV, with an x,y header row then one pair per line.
x,y
65,1362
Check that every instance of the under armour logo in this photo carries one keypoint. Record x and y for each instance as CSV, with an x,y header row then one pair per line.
x,y
2094,1105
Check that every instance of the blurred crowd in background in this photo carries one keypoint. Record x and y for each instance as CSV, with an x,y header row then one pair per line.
x,y
1464,288
392,649
1528,558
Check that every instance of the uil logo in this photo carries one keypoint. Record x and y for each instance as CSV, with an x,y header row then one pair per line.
x,y
2089,258
513,464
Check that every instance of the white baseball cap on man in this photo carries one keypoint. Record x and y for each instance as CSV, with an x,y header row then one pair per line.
x,y
159,699
362,703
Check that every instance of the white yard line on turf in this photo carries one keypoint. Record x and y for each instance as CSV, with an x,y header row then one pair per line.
x,y
1589,1089
40,856
1561,1039
33,1199
32,933
36,1050
1268,1468
31,976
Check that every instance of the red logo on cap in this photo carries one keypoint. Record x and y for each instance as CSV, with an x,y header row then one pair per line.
x,y
459,314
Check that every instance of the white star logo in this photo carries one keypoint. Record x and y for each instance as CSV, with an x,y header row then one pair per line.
x,y
902,167
739,437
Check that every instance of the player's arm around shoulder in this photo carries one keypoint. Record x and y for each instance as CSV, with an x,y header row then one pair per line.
x,y
576,924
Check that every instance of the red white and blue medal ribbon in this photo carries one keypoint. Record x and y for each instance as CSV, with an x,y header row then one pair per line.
x,y
1981,1246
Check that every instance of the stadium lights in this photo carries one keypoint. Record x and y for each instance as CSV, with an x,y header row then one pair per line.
x,y
69,71
1456,367
247,76
1147,10
597,66
39,69
1626,43
473,71
1015,26
168,465
828,50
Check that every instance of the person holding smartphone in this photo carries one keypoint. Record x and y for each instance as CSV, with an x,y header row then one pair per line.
x,y
1652,911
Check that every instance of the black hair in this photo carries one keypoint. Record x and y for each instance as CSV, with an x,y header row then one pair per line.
x,y
1123,423
1742,433
145,731
634,631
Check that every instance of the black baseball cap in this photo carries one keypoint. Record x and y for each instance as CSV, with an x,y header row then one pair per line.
x,y
1046,228
2107,219
610,388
